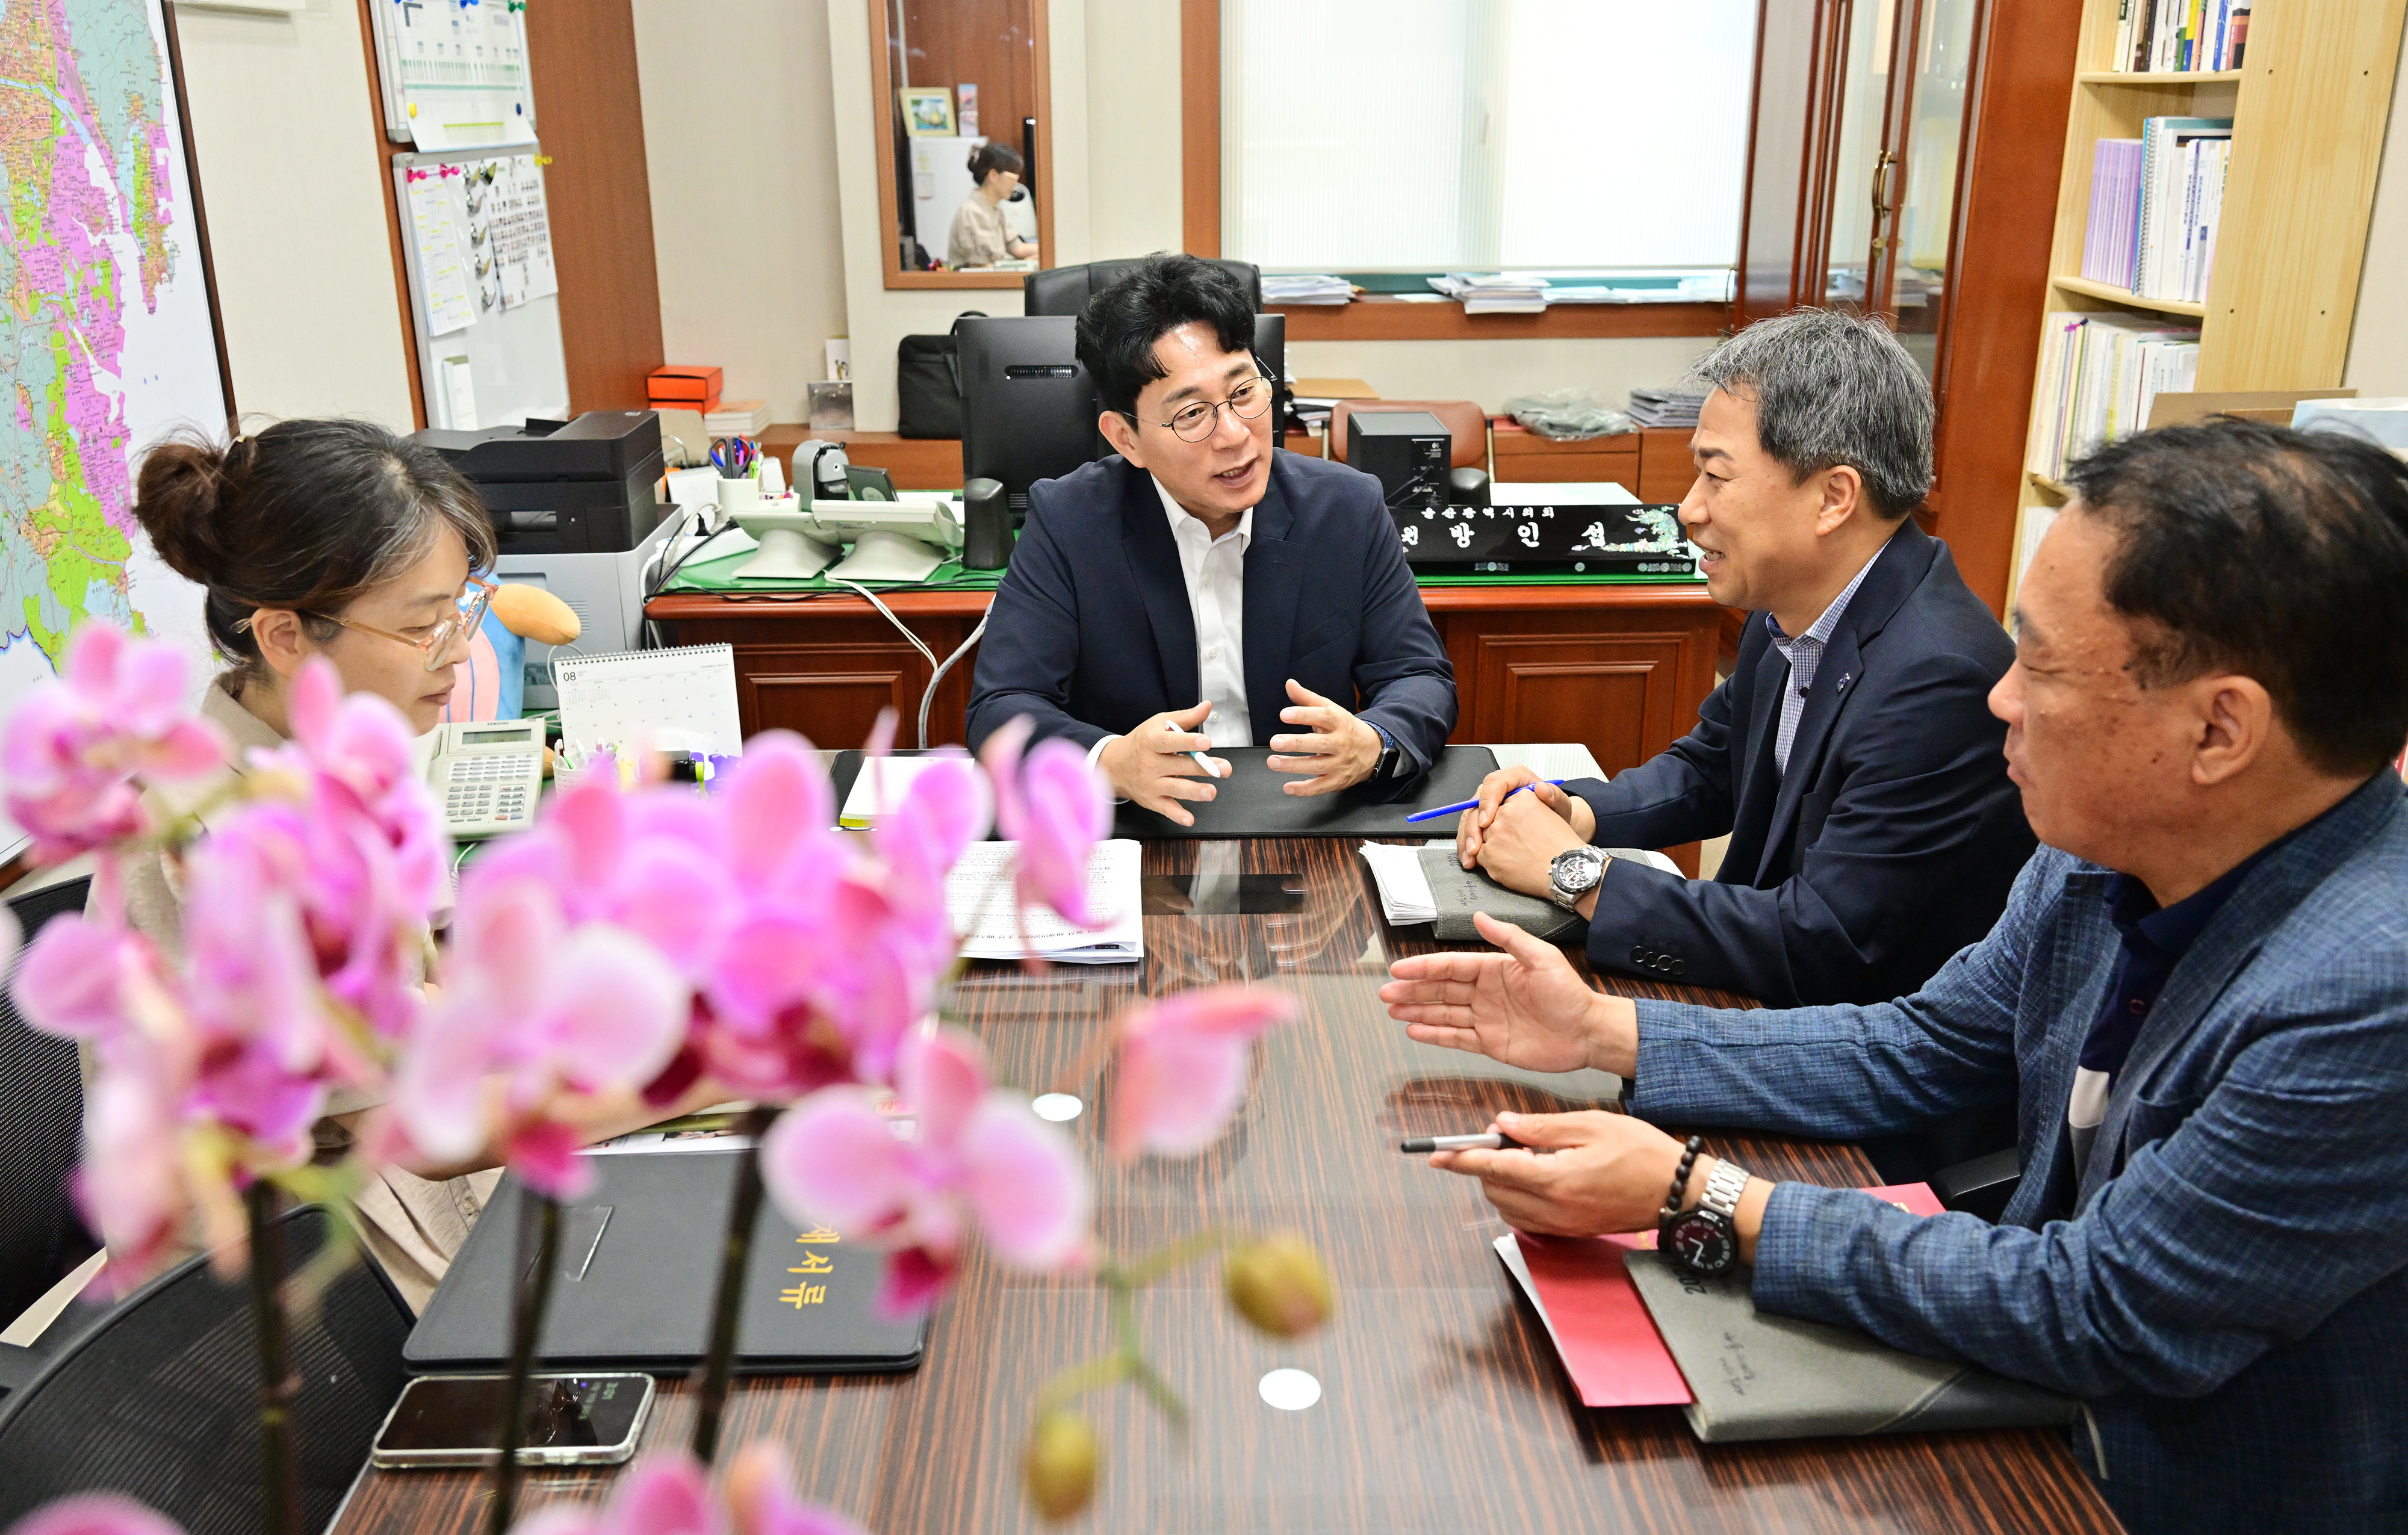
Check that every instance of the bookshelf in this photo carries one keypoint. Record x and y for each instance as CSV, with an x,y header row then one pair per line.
x,y
2308,109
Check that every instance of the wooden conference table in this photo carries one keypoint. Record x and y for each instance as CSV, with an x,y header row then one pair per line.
x,y
1443,1409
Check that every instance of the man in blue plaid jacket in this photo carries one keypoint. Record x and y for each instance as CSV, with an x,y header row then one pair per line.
x,y
2197,999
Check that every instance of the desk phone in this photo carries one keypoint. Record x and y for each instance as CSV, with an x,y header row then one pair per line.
x,y
488,773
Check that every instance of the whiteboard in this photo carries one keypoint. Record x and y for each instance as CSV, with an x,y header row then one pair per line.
x,y
112,323
510,353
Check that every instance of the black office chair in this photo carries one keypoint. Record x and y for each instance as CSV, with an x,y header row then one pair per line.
x,y
41,1123
159,1398
1065,289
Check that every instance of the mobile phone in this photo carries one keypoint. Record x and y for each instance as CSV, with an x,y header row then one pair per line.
x,y
456,1420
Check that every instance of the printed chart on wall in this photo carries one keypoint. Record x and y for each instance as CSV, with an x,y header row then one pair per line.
x,y
108,343
454,74
483,296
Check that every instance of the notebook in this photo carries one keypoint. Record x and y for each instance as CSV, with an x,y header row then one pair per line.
x,y
1759,1376
637,1270
672,700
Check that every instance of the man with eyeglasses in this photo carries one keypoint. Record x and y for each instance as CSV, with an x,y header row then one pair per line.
x,y
1164,602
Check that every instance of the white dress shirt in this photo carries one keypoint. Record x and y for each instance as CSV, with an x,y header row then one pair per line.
x,y
1215,574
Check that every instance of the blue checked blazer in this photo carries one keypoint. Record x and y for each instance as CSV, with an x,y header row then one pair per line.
x,y
2227,1287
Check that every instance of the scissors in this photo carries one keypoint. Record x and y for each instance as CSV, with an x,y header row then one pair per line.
x,y
734,456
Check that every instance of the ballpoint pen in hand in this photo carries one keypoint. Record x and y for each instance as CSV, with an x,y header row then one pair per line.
x,y
1470,804
1420,1144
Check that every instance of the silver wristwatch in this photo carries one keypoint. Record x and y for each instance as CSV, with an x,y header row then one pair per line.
x,y
1725,1187
1574,873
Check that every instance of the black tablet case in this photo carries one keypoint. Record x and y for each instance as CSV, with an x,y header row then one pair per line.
x,y
632,1287
1250,801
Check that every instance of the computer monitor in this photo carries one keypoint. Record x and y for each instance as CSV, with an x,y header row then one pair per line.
x,y
1028,409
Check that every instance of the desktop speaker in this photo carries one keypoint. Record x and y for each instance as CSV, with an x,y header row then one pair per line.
x,y
986,526
1407,450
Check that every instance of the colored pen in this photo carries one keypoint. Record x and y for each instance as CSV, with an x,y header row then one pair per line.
x,y
1422,1144
1197,757
1469,804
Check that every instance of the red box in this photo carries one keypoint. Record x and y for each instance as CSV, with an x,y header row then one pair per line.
x,y
684,388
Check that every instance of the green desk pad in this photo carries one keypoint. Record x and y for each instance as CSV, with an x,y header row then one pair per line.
x,y
718,577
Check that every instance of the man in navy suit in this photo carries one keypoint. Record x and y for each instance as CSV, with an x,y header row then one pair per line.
x,y
1166,601
1850,754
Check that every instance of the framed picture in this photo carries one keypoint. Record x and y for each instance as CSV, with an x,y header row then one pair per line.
x,y
927,110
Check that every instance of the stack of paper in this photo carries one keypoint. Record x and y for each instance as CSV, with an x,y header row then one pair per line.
x,y
1289,288
978,895
1672,407
1405,894
737,418
1495,293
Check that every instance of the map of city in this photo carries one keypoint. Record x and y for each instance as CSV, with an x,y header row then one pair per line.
x,y
108,343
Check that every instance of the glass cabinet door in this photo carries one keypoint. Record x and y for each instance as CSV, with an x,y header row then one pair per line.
x,y
1861,160
1922,224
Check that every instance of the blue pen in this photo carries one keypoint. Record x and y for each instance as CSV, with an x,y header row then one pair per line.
x,y
1469,804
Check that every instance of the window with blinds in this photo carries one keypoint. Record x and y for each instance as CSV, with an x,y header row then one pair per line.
x,y
1477,134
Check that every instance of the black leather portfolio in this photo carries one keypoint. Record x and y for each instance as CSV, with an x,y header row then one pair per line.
x,y
1249,802
637,1263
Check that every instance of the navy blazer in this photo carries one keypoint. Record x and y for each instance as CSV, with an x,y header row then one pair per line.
x,y
1091,633
1889,845
2226,1285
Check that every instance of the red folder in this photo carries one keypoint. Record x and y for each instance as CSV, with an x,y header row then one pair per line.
x,y
1609,1343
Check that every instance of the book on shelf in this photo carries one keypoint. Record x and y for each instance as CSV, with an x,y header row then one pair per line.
x,y
2182,161
2181,36
2111,241
2099,376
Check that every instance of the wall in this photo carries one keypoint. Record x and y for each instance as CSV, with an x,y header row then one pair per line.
x,y
745,227
1133,127
2378,339
295,197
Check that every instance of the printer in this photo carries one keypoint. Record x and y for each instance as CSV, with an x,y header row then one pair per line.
x,y
575,511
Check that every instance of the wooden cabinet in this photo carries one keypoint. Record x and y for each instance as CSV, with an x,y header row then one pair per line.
x,y
1521,455
1620,670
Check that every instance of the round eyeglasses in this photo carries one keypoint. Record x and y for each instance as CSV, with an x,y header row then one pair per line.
x,y
1197,420
437,642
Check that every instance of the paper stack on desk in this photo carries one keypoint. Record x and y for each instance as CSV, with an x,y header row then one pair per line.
x,y
980,896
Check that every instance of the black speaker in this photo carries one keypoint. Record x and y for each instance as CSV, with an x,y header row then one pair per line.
x,y
986,526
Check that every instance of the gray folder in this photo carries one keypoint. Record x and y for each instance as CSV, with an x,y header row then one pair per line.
x,y
1458,892
637,1266
1757,1376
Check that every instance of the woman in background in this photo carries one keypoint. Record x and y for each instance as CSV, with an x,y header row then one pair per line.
x,y
335,538
979,235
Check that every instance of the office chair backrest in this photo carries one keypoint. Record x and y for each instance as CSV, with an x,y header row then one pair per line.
x,y
41,1123
1464,421
1065,289
159,1399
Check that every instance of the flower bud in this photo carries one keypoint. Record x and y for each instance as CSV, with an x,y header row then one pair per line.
x,y
1060,1466
1277,1285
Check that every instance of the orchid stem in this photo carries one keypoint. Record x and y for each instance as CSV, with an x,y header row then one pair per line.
x,y
729,1304
279,1487
519,1393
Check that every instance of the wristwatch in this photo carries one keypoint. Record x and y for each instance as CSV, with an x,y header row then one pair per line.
x,y
1574,873
1703,1242
1392,757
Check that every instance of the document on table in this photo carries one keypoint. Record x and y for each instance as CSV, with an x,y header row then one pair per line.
x,y
1405,893
978,894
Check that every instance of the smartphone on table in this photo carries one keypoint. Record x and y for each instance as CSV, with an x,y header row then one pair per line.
x,y
456,1420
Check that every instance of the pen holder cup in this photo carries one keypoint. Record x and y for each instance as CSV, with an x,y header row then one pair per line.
x,y
738,495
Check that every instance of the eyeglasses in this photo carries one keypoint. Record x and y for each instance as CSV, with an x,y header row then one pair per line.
x,y
437,642
1197,419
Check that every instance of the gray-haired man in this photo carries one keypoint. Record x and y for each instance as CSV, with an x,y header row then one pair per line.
x,y
1850,754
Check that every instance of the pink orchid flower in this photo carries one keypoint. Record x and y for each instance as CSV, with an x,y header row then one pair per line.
x,y
360,744
551,1008
78,747
131,1184
95,1514
1183,1067
1052,804
836,954
979,1157
669,1493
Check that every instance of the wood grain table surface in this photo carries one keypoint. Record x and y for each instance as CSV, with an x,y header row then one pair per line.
x,y
1444,1407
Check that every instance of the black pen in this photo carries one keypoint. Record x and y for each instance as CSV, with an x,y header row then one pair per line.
x,y
1491,1142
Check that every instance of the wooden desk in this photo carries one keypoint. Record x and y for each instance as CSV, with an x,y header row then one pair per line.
x,y
1621,669
1444,1408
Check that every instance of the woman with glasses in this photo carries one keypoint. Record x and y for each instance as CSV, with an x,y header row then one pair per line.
x,y
1202,590
333,539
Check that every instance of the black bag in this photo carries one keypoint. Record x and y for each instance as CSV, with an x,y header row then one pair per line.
x,y
928,383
